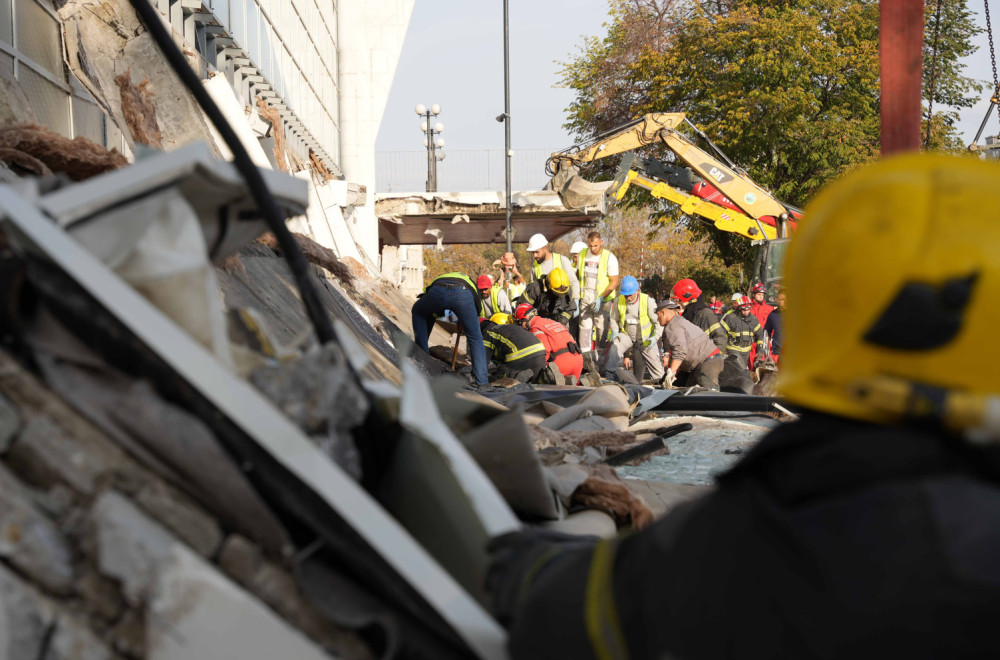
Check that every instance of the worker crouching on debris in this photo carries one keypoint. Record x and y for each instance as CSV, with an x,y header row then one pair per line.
x,y
494,297
745,333
689,355
870,527
512,348
560,348
550,296
634,334
455,292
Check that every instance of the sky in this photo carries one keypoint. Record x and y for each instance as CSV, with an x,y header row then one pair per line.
x,y
453,56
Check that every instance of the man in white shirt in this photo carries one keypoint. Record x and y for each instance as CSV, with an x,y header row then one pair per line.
x,y
597,270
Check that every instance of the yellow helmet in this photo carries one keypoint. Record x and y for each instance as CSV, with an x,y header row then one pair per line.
x,y
892,281
558,280
500,318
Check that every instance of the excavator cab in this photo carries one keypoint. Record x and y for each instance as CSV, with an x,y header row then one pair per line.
x,y
769,264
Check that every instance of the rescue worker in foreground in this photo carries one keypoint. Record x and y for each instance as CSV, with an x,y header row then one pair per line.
x,y
512,348
494,297
456,292
869,527
597,271
687,293
545,261
759,308
550,296
689,355
557,340
744,332
633,334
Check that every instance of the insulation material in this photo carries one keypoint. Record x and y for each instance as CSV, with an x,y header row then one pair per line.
x,y
29,145
272,116
605,408
115,58
316,254
157,246
232,109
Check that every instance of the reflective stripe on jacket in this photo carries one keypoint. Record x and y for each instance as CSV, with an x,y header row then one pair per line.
x,y
506,343
645,322
743,332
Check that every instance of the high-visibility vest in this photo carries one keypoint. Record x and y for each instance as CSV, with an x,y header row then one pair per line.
x,y
494,295
602,270
645,323
556,263
465,279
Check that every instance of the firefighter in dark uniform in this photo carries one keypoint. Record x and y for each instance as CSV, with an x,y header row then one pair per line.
x,y
869,527
744,332
511,347
550,296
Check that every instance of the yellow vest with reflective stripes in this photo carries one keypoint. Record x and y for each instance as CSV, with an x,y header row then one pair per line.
x,y
557,262
645,323
494,294
602,270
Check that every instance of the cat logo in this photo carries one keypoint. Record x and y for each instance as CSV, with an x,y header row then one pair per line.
x,y
716,173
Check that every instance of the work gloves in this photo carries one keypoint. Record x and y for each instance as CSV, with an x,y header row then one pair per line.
x,y
519,558
595,306
669,378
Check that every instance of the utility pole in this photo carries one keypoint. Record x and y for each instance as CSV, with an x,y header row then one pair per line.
x,y
505,118
430,130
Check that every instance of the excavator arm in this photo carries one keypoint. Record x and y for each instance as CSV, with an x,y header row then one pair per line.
x,y
707,179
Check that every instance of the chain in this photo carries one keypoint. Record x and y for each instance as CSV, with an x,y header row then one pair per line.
x,y
993,55
933,80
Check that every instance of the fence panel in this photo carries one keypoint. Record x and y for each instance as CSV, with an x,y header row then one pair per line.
x,y
461,170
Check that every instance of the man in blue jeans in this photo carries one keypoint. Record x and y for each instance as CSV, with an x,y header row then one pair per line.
x,y
458,293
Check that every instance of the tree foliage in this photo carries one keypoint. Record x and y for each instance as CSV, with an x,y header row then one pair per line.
x,y
789,89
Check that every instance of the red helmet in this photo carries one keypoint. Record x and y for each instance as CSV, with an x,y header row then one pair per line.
x,y
484,282
716,306
745,302
524,312
685,290
757,288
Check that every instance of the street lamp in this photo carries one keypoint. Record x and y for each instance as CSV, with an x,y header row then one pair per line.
x,y
430,130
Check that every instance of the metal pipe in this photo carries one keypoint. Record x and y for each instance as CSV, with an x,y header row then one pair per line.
x,y
506,123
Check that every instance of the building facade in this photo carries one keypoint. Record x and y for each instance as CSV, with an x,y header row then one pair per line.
x,y
304,82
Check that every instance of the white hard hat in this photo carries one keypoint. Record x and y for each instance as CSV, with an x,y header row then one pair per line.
x,y
537,242
578,247
737,297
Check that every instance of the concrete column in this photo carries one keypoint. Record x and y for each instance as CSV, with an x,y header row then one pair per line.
x,y
371,40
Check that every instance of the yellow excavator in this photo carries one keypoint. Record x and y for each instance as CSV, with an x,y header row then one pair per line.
x,y
705,186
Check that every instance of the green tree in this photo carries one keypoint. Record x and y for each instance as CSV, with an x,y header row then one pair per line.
x,y
789,89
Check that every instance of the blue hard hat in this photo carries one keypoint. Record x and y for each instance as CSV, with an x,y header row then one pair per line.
x,y
630,285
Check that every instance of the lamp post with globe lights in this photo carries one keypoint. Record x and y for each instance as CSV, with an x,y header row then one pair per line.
x,y
432,143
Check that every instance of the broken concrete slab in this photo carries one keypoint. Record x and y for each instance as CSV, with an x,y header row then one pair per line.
x,y
244,563
10,424
116,59
25,618
130,547
31,542
192,603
